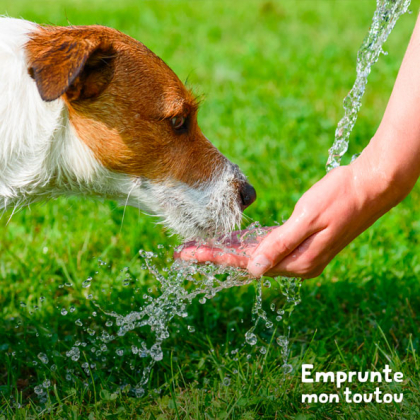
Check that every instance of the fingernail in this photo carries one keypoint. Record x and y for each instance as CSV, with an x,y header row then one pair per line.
x,y
259,265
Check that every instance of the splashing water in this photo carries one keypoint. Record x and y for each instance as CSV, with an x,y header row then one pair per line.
x,y
180,284
384,19
99,339
290,288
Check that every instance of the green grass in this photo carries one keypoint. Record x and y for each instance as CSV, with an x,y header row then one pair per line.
x,y
273,75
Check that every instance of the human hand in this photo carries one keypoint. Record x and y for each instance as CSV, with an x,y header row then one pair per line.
x,y
327,217
346,201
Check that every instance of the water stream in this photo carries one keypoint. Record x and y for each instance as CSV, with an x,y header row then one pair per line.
x,y
384,19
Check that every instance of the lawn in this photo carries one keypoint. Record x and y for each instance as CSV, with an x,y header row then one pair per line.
x,y
271,76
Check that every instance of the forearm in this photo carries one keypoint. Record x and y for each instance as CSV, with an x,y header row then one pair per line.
x,y
394,151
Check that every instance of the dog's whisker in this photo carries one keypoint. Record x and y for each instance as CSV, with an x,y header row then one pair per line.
x,y
125,206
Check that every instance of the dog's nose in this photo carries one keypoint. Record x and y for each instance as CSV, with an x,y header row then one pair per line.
x,y
248,195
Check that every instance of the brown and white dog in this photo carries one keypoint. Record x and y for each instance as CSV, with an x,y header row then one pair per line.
x,y
89,110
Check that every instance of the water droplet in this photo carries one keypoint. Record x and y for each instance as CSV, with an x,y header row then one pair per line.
x,y
191,329
109,323
120,352
78,322
38,390
46,383
282,341
251,338
90,331
156,352
226,381
87,283
74,354
138,392
64,311
43,357
286,368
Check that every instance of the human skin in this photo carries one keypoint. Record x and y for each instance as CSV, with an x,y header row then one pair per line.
x,y
346,201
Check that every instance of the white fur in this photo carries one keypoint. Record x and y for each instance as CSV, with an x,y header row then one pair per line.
x,y
42,157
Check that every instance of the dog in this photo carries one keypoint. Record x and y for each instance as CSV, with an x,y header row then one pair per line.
x,y
88,110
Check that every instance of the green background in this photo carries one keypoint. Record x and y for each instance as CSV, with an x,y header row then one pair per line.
x,y
272,76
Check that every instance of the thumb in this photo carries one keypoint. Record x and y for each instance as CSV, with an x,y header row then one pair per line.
x,y
277,245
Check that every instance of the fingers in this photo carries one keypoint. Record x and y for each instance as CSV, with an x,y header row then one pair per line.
x,y
307,260
253,250
237,248
279,244
234,257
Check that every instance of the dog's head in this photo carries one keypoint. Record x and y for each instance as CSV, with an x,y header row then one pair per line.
x,y
139,120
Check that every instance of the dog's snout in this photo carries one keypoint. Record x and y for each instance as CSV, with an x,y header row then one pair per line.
x,y
248,195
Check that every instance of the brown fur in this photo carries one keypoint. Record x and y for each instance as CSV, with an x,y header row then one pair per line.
x,y
121,98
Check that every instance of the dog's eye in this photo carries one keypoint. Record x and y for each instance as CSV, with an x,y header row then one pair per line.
x,y
178,122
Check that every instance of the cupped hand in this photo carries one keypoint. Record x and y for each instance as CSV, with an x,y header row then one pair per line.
x,y
327,217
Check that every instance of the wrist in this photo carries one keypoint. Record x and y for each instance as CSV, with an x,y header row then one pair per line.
x,y
379,180
393,158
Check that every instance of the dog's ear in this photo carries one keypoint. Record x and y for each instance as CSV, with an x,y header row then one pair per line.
x,y
77,62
